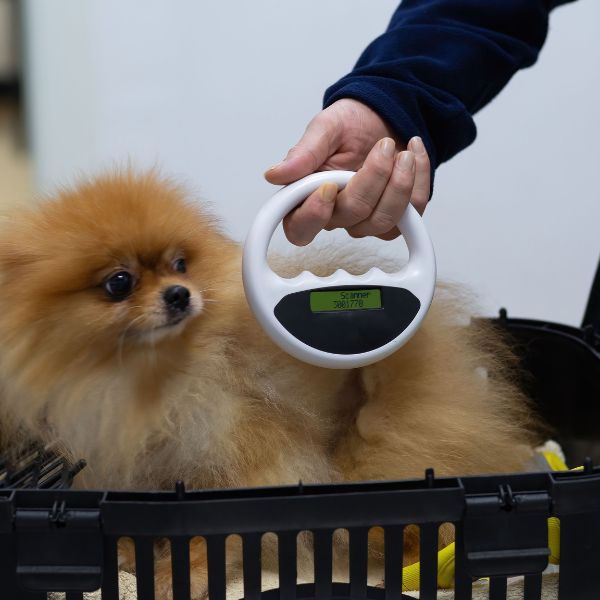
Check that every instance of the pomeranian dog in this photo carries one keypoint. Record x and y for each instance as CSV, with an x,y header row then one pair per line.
x,y
126,337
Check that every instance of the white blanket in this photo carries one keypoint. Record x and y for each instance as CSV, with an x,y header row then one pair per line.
x,y
127,589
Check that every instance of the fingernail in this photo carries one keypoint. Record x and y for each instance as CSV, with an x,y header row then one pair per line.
x,y
406,161
416,145
387,146
329,192
274,166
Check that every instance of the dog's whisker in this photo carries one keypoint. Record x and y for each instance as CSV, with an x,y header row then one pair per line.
x,y
122,337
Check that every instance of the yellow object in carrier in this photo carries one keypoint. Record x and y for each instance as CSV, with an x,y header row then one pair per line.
x,y
445,579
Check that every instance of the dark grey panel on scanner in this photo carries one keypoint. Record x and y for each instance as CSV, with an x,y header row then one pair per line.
x,y
348,331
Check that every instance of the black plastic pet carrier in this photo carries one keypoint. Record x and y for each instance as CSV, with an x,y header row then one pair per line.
x,y
56,539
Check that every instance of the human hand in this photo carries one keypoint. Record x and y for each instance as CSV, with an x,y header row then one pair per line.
x,y
349,135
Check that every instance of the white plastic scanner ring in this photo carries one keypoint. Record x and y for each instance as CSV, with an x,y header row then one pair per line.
x,y
342,321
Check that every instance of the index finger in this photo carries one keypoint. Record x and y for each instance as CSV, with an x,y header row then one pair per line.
x,y
359,198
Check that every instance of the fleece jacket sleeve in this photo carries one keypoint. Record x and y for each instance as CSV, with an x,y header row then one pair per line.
x,y
440,61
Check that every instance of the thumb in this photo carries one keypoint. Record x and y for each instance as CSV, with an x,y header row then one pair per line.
x,y
313,149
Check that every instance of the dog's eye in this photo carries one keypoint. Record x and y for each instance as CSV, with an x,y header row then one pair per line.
x,y
119,285
179,265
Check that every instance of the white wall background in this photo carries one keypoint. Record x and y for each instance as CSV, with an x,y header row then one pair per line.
x,y
215,92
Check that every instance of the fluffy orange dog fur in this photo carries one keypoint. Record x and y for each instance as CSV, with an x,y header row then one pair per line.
x,y
209,398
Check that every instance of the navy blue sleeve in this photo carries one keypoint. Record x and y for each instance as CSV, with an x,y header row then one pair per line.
x,y
440,61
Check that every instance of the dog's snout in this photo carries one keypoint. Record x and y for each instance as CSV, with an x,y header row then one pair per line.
x,y
177,297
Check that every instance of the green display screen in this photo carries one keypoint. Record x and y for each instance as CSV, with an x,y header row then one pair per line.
x,y
334,300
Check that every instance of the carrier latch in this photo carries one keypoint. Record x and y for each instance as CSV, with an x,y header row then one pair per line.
x,y
506,533
59,549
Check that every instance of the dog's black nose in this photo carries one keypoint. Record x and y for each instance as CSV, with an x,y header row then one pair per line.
x,y
177,297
